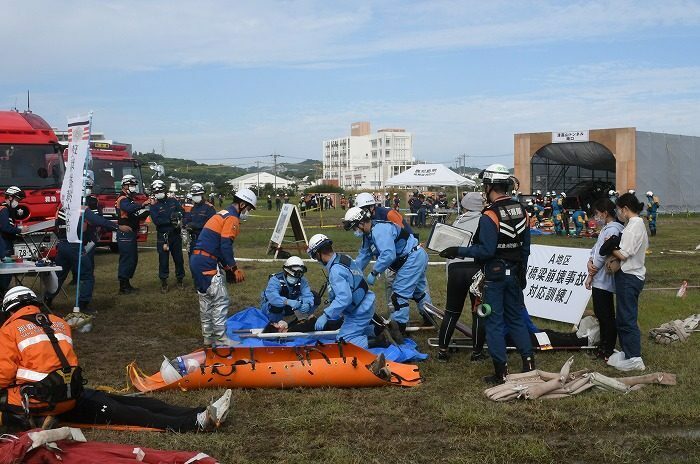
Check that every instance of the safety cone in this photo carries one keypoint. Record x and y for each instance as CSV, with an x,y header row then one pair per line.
x,y
682,291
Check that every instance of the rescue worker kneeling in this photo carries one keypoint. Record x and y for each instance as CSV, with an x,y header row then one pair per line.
x,y
288,297
349,295
40,377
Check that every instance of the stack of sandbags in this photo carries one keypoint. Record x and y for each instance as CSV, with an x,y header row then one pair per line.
x,y
678,330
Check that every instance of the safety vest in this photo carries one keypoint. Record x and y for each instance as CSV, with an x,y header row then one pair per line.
x,y
359,284
48,379
511,224
61,228
126,219
290,292
382,214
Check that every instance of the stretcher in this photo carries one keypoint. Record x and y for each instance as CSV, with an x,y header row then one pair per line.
x,y
321,365
466,343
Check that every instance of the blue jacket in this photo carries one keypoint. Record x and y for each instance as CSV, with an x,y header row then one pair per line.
x,y
488,236
384,243
7,230
278,291
93,220
348,286
198,215
162,212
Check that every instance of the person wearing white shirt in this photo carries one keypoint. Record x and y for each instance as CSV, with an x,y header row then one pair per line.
x,y
629,280
600,280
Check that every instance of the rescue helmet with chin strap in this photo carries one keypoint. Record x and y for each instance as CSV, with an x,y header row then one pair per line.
x,y
16,298
128,179
650,193
158,186
294,266
197,189
354,217
246,196
316,243
15,192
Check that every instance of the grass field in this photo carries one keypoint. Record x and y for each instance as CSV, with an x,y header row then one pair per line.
x,y
446,419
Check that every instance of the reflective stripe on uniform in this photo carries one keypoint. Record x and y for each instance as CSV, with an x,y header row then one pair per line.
x,y
42,338
28,374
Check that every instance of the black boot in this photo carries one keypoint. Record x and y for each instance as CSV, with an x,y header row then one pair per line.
x,y
124,287
131,289
83,305
499,376
180,284
528,363
402,330
163,285
477,356
443,355
395,332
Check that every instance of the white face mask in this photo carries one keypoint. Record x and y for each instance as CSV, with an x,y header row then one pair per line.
x,y
88,192
132,188
244,215
197,198
291,280
14,203
358,233
160,196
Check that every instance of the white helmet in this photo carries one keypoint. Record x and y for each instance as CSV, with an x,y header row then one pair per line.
x,y
495,174
197,189
168,372
354,217
539,192
16,298
650,193
631,191
364,199
294,266
563,194
247,196
128,179
529,202
317,242
158,186
16,192
611,192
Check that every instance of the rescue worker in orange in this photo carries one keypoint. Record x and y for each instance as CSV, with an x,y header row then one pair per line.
x,y
129,214
212,253
40,377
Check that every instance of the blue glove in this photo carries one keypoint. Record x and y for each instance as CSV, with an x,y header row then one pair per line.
x,y
371,278
305,308
294,304
321,322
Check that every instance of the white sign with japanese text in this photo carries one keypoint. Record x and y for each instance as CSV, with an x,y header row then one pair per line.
x,y
570,136
73,179
555,283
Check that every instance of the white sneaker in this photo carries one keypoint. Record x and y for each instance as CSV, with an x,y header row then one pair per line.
x,y
222,406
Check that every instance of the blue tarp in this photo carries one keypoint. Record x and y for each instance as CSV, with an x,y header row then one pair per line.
x,y
253,318
535,231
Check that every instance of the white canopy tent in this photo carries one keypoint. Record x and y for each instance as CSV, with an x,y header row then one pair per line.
x,y
424,175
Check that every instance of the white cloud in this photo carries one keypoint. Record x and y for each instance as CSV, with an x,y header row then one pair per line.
x,y
72,36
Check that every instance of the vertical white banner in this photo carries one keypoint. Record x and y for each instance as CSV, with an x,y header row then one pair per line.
x,y
72,188
555,283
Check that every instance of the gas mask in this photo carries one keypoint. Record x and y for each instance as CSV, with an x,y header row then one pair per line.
x,y
197,198
160,195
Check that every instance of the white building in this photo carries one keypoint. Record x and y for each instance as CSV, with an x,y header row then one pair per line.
x,y
364,160
258,178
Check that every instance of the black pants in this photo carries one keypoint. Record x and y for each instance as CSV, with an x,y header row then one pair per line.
x,y
604,310
96,407
459,278
557,339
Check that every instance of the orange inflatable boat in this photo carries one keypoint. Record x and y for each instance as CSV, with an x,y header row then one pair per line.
x,y
321,365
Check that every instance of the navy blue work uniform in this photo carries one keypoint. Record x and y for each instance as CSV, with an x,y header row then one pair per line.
x,y
501,245
195,219
166,215
129,213
70,253
8,232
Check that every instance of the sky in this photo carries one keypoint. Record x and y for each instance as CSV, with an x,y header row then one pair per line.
x,y
227,81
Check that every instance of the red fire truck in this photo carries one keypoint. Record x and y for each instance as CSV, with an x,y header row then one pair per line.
x,y
30,158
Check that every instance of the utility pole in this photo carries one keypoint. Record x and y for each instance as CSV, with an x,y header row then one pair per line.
x,y
274,156
258,164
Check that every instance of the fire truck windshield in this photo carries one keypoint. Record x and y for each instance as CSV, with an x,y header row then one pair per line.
x,y
109,173
31,166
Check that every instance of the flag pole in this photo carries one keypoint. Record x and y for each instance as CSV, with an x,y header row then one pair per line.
x,y
81,222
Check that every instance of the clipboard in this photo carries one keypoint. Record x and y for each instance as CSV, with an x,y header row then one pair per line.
x,y
444,236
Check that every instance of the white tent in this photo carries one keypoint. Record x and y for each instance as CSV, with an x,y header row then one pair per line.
x,y
424,175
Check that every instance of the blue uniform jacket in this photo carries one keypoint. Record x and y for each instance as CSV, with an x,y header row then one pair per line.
x,y
488,235
273,293
381,243
340,280
161,213
218,235
199,215
7,227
